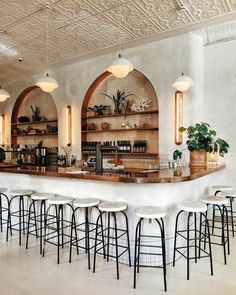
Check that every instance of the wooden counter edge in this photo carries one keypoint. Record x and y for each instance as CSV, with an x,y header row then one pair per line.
x,y
116,177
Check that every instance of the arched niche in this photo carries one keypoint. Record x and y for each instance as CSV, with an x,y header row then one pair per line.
x,y
135,83
34,96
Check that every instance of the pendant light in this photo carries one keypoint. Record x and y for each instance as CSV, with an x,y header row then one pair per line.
x,y
3,94
47,84
182,83
120,67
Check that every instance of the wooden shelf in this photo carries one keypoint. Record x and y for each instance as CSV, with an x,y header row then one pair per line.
x,y
34,123
121,115
121,130
37,134
124,154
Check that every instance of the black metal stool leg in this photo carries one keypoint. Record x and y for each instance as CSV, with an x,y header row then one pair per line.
x,y
176,232
135,250
1,214
127,235
95,245
209,242
139,245
195,235
116,245
188,229
200,237
108,235
35,219
232,214
28,226
225,212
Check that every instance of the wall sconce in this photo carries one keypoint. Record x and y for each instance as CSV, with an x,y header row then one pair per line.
x,y
2,129
178,117
68,126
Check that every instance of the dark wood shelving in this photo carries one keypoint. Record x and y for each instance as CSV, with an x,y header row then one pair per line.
x,y
121,129
120,115
37,134
125,154
34,123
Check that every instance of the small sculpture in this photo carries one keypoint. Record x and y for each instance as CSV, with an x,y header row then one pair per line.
x,y
140,104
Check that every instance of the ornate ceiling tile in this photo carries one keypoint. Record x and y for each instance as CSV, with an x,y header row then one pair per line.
x,y
79,28
75,9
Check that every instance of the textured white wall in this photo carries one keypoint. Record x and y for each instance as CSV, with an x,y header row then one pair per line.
x,y
220,98
161,62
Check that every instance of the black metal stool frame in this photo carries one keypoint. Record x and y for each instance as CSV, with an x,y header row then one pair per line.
x,y
59,229
195,239
87,231
108,242
232,212
138,247
21,214
224,223
38,231
4,209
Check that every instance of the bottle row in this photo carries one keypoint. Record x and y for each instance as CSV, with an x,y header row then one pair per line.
x,y
122,146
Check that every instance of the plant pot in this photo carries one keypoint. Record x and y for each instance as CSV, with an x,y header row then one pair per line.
x,y
198,158
117,110
105,126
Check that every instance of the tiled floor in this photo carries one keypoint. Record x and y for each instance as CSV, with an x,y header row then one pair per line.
x,y
25,272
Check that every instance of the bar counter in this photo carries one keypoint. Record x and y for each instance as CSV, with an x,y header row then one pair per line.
x,y
166,188
128,175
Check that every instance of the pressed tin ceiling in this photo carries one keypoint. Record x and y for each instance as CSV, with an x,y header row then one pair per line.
x,y
79,29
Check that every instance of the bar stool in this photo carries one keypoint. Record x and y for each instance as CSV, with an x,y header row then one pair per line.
x,y
111,209
84,227
231,195
219,203
37,227
4,207
218,190
23,196
58,225
156,213
192,208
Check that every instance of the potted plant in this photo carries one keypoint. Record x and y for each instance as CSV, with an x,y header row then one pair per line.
x,y
119,99
97,109
201,139
36,114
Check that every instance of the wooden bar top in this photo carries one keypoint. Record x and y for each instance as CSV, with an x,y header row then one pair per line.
x,y
128,176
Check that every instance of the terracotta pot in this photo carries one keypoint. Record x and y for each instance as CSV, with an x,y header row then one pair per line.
x,y
198,158
105,126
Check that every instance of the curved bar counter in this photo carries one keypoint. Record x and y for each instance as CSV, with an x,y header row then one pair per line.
x,y
165,188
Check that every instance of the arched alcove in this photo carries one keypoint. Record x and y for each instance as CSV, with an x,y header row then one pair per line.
x,y
32,132
141,125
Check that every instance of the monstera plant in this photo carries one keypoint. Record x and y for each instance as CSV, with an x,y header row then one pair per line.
x,y
200,140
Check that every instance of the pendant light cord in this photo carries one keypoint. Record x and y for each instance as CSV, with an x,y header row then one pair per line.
x,y
47,41
119,28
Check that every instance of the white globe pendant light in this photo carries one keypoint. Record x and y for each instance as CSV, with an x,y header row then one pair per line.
x,y
120,67
47,84
3,94
182,83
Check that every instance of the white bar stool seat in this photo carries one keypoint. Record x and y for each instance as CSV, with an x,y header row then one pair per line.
x,y
60,200
42,196
3,190
192,206
150,212
214,200
86,202
112,206
21,192
223,187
